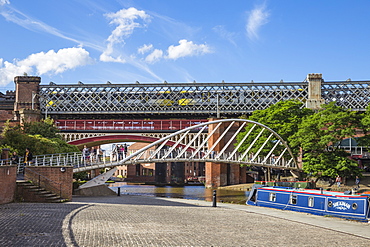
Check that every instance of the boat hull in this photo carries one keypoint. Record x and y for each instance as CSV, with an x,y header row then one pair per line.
x,y
336,204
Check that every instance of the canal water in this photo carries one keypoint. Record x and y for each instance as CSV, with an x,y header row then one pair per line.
x,y
185,192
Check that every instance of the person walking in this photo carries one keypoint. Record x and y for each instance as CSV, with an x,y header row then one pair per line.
x,y
357,182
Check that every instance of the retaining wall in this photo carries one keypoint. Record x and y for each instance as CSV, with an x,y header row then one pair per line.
x,y
8,178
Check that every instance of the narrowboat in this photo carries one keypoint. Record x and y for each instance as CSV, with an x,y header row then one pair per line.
x,y
346,204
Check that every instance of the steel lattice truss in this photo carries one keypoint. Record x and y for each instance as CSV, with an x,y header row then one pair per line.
x,y
191,98
353,95
174,98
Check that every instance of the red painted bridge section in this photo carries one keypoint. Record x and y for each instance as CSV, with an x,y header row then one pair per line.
x,y
97,140
126,125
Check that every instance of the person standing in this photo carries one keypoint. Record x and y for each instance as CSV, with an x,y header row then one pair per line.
x,y
85,154
338,180
93,154
120,152
125,149
15,158
27,157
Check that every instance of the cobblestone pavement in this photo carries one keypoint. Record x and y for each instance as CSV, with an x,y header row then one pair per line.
x,y
153,221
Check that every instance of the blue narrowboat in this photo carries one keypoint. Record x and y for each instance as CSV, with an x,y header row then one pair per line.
x,y
346,205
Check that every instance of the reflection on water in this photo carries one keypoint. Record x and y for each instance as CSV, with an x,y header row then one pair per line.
x,y
186,192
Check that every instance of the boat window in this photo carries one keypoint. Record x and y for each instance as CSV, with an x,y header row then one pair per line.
x,y
310,201
293,199
354,206
330,204
272,197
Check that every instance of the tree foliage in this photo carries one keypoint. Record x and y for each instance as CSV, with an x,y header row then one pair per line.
x,y
320,134
282,117
41,137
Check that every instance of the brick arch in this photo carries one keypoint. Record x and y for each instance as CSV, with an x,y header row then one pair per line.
x,y
99,140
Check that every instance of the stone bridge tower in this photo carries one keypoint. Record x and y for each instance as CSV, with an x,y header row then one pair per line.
x,y
26,87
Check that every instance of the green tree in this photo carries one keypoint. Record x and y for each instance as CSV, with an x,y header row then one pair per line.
x,y
365,126
320,134
282,117
41,137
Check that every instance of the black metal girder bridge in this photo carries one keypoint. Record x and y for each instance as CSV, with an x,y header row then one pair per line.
x,y
154,100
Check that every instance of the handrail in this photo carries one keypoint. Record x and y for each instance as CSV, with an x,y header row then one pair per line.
x,y
45,185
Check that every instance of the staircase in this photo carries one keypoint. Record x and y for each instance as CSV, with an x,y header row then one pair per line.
x,y
28,192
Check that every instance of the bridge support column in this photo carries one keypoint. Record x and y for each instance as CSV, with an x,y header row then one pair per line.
x,y
314,100
216,173
234,175
221,174
94,173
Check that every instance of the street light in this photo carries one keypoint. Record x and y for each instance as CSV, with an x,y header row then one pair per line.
x,y
47,105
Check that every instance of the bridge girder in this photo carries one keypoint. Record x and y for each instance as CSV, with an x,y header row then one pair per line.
x,y
178,152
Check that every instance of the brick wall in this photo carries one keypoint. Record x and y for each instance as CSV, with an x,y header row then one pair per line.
x,y
61,180
25,85
8,177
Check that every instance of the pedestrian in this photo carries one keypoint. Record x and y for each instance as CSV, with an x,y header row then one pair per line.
x,y
338,180
27,157
357,182
15,158
125,150
93,154
120,152
85,154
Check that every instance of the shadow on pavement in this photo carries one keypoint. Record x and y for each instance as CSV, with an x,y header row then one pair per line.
x,y
132,200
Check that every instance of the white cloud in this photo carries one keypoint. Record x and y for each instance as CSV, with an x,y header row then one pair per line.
x,y
155,56
32,24
145,48
185,49
126,21
49,62
229,36
3,2
257,18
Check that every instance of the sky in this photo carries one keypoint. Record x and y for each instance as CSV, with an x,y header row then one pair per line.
x,y
123,41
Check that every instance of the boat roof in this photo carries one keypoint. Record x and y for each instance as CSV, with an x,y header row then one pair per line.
x,y
312,191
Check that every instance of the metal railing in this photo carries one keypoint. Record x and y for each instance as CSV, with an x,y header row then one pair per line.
x,y
44,182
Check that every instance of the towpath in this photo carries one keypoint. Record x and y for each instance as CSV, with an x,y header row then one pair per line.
x,y
153,221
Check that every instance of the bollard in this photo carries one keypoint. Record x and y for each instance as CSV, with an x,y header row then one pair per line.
x,y
214,199
119,191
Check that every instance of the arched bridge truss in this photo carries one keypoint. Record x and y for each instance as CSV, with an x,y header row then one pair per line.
x,y
225,131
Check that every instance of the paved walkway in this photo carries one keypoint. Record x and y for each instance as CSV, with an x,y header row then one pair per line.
x,y
152,221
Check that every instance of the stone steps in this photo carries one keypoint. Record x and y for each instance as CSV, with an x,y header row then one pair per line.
x,y
39,194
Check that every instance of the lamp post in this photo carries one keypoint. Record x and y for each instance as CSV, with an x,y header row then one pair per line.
x,y
33,103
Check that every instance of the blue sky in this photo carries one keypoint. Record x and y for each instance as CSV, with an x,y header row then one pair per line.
x,y
95,41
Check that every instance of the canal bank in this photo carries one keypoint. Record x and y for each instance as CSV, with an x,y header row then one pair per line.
x,y
183,192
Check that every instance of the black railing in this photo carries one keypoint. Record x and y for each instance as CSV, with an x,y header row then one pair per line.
x,y
44,182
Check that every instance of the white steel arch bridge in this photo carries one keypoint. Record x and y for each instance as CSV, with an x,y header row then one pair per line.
x,y
222,148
